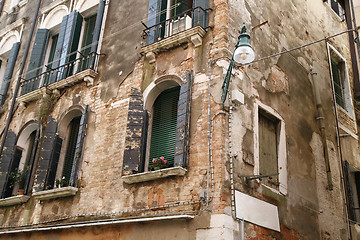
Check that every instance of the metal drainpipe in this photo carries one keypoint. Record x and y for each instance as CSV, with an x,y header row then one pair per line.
x,y
338,142
18,82
321,118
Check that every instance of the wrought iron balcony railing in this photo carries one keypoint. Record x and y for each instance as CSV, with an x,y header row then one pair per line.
x,y
188,19
52,75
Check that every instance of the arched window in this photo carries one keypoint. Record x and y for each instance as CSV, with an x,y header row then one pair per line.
x,y
22,161
163,129
158,126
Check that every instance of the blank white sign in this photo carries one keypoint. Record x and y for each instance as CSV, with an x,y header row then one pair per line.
x,y
256,211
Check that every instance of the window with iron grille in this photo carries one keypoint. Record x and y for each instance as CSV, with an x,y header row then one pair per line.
x,y
69,47
340,80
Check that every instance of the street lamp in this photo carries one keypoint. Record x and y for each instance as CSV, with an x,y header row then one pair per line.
x,y
243,54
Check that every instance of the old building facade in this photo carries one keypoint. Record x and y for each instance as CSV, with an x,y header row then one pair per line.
x,y
113,124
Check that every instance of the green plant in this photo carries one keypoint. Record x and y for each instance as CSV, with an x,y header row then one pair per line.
x,y
62,182
158,163
18,177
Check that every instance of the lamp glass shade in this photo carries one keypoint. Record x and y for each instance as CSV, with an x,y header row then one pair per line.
x,y
244,54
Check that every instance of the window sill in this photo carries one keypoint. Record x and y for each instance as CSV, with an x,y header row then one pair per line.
x,y
87,76
193,35
55,193
153,175
10,201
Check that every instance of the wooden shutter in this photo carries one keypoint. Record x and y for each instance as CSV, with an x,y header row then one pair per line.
x,y
268,142
5,160
183,122
14,164
67,45
136,135
164,123
79,147
45,154
87,46
54,161
200,17
71,146
97,30
156,14
349,191
36,60
9,71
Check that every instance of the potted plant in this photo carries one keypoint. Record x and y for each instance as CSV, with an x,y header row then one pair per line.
x,y
18,177
158,163
62,182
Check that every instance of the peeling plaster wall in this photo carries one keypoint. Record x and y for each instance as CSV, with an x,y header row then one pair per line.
x,y
308,210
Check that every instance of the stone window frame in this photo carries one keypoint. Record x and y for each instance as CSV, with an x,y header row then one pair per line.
x,y
150,95
346,113
281,155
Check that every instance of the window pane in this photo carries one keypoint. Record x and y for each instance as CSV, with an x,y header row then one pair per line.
x,y
338,86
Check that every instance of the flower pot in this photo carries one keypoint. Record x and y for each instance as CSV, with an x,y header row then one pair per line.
x,y
21,192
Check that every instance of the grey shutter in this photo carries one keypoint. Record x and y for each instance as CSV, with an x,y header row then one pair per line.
x,y
268,145
66,47
9,71
54,161
79,147
200,16
349,191
45,154
14,164
36,60
58,49
71,42
5,160
97,30
136,132
183,122
154,17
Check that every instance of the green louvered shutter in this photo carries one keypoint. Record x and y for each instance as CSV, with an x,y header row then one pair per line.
x,y
200,17
45,154
67,45
136,135
71,147
87,43
79,147
163,131
53,164
5,161
55,75
96,32
36,61
183,122
9,71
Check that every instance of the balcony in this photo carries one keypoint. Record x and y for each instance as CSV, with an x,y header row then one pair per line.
x,y
189,26
68,74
